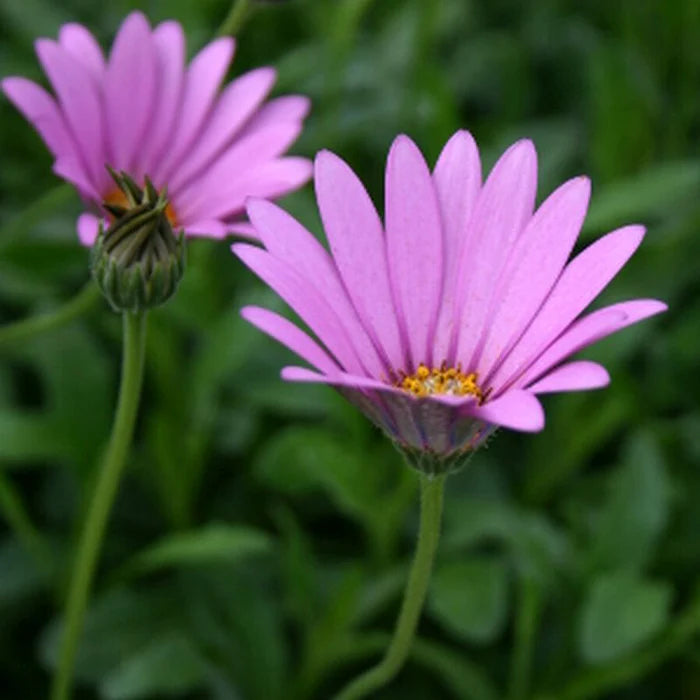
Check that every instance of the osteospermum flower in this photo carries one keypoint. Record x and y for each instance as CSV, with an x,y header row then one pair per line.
x,y
451,318
142,111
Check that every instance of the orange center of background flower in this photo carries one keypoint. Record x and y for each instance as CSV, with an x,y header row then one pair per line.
x,y
117,197
441,380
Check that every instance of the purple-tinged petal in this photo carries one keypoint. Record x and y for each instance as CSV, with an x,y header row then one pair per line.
x,y
590,329
289,108
41,110
227,175
269,180
356,239
169,47
457,177
582,280
289,335
130,91
207,228
204,76
414,247
79,42
535,263
243,228
70,169
235,105
516,409
289,241
573,376
305,300
88,226
503,208
80,103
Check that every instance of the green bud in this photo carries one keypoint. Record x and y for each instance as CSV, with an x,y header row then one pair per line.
x,y
138,261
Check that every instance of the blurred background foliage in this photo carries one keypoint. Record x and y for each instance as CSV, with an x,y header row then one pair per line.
x,y
259,542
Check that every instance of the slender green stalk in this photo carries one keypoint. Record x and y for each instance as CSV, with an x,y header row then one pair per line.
x,y
28,328
525,629
235,18
102,499
414,595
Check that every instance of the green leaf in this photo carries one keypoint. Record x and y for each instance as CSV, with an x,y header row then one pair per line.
x,y
637,509
211,544
168,665
620,613
653,192
470,598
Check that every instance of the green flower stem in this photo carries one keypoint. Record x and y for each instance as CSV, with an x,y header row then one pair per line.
x,y
235,18
102,499
416,589
525,629
28,328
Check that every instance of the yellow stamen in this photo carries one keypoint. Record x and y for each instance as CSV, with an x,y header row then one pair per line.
x,y
118,197
441,380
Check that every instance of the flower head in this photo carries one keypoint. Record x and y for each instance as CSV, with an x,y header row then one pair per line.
x,y
452,317
143,112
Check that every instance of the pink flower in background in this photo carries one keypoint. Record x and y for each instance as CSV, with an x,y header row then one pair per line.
x,y
143,111
452,317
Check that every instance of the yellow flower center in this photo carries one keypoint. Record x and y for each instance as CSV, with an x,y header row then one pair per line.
x,y
441,380
118,197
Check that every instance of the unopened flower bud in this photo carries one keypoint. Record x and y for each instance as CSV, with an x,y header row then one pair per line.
x,y
138,261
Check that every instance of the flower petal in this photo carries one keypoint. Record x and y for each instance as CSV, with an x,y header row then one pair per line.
x,y
590,329
535,263
80,104
289,108
205,73
72,170
516,409
129,91
289,335
574,376
582,280
305,300
356,239
504,206
288,240
169,49
79,42
235,105
88,226
42,111
414,247
457,177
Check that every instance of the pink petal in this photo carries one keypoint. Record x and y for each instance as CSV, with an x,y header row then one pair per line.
x,y
72,170
237,102
356,239
206,228
204,76
582,280
243,228
516,409
503,208
574,376
78,41
414,246
169,48
534,265
227,177
457,177
41,110
88,226
290,108
80,102
304,299
289,335
130,91
590,329
290,242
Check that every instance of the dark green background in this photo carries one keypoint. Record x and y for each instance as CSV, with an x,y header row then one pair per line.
x,y
259,542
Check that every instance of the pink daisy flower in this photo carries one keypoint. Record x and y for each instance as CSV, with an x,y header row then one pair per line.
x,y
451,318
144,112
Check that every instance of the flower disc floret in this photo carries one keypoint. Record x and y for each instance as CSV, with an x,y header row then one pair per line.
x,y
442,380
